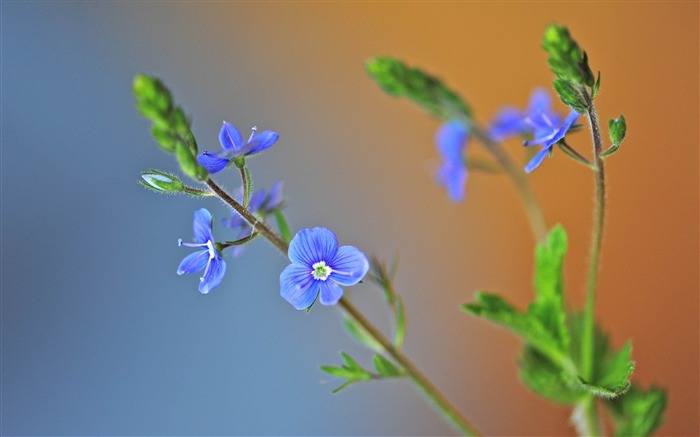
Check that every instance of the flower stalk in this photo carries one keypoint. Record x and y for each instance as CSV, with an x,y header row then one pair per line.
x,y
588,345
439,401
530,203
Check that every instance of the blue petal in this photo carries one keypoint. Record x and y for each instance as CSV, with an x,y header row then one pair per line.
x,y
256,201
507,123
212,275
349,266
310,246
540,101
211,163
453,177
193,262
451,139
234,222
201,226
230,137
537,160
260,142
297,286
274,196
570,119
330,293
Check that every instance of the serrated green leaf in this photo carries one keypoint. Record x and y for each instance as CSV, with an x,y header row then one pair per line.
x,y
530,328
360,334
549,307
566,59
638,412
570,96
547,379
611,369
385,367
429,92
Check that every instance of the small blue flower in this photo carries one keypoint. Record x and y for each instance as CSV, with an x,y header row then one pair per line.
x,y
319,267
451,141
208,258
510,122
261,204
548,133
233,147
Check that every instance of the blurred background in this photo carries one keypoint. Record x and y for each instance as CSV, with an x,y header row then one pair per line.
x,y
100,337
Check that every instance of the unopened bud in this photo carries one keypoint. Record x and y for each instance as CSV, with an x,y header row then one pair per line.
x,y
160,181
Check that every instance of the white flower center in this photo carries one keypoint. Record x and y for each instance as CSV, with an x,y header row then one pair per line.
x,y
210,248
321,271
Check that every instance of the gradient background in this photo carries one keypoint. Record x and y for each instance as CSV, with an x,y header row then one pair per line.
x,y
99,336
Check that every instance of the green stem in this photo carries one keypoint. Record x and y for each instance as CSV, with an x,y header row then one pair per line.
x,y
588,343
440,402
532,206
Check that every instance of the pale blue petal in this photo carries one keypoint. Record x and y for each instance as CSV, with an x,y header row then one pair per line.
x,y
537,160
274,196
540,101
230,137
453,177
212,275
310,246
349,266
260,142
201,226
451,139
256,201
508,122
298,287
211,162
193,262
330,293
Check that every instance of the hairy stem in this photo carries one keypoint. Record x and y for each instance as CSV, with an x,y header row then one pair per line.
x,y
440,402
588,343
530,203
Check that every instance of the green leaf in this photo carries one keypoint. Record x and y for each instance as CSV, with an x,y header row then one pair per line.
x,y
611,369
283,226
188,162
342,372
429,92
385,367
566,59
638,412
530,328
547,379
570,96
618,129
351,371
360,334
596,87
152,97
548,307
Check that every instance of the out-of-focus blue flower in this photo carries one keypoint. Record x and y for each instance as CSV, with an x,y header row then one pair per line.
x,y
451,141
208,258
261,204
548,133
511,122
319,267
234,147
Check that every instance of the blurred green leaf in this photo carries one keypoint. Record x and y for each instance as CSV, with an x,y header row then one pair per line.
x,y
547,379
618,129
360,334
566,59
385,367
638,412
428,92
283,226
570,96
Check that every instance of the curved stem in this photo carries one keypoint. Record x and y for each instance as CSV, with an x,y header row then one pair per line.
x,y
440,402
588,343
532,206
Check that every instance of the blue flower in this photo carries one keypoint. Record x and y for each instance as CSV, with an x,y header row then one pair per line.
x,y
548,133
510,122
451,141
233,147
319,267
261,204
208,258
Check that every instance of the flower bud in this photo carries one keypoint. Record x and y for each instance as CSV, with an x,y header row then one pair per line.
x,y
162,182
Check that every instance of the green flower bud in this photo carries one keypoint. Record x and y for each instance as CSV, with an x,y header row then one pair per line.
x,y
163,182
